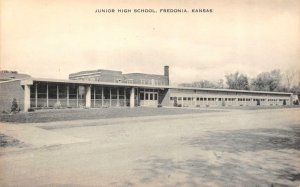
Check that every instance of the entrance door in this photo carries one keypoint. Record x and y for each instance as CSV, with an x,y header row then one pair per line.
x,y
149,98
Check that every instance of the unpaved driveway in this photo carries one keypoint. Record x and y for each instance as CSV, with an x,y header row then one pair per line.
x,y
238,148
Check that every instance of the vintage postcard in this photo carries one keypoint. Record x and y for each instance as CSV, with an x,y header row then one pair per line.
x,y
149,93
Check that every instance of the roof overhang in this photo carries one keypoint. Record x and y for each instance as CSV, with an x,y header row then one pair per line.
x,y
82,82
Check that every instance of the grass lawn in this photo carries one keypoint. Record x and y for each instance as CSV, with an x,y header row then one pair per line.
x,y
50,115
95,113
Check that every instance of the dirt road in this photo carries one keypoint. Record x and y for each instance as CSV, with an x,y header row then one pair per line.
x,y
235,148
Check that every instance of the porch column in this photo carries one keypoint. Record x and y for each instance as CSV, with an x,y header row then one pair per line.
x,y
57,93
68,102
77,95
26,97
181,101
118,101
94,96
124,97
47,96
132,98
110,97
88,96
36,96
102,97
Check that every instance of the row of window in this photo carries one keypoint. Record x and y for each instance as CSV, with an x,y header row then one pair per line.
x,y
220,99
148,96
148,82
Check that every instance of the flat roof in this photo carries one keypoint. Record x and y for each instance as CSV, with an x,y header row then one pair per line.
x,y
98,83
228,90
152,86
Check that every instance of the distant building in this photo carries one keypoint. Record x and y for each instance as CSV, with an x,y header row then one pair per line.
x,y
9,75
112,76
109,88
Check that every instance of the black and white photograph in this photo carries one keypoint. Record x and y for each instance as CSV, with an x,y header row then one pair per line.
x,y
161,93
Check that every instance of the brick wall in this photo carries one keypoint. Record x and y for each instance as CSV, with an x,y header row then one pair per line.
x,y
8,91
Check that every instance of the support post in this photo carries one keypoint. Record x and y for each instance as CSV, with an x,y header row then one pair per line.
x,y
109,97
94,96
88,96
124,97
57,93
36,96
77,90
118,97
26,97
132,98
102,97
47,96
68,97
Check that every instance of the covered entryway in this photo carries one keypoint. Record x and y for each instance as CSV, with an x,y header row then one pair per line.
x,y
149,97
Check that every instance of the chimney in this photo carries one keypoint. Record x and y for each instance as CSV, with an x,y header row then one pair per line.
x,y
166,73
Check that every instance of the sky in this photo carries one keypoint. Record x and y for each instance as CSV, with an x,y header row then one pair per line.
x,y
53,38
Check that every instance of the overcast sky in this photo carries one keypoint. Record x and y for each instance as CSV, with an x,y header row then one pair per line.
x,y
52,38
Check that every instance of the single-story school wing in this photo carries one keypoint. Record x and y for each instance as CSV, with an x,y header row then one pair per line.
x,y
108,88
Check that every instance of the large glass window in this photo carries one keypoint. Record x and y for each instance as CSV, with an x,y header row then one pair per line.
x,y
142,95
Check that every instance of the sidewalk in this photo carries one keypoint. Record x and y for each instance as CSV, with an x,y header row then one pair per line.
x,y
34,137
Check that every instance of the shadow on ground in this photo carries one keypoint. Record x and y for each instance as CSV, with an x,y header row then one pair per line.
x,y
247,140
231,169
8,141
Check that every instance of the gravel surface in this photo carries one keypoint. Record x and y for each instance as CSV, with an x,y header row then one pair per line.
x,y
235,148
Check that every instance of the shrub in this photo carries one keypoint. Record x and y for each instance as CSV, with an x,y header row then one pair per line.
x,y
223,103
159,105
30,110
4,112
14,106
57,105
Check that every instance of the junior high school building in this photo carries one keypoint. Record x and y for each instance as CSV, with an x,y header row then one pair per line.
x,y
108,88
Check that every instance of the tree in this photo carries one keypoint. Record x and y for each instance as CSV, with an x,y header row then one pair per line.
x,y
203,84
237,81
267,81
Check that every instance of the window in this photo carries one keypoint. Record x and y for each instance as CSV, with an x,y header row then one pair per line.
x,y
147,96
143,81
142,96
129,81
155,97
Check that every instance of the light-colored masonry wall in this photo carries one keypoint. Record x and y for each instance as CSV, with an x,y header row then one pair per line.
x,y
201,98
8,91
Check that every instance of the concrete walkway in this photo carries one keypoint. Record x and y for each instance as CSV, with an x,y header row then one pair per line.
x,y
35,137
